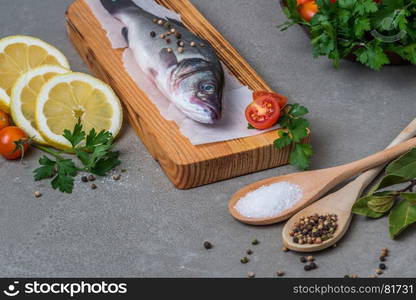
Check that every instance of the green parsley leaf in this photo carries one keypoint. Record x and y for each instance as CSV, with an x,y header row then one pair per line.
x,y
76,136
301,155
47,170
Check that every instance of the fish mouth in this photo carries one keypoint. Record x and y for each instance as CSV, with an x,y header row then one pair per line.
x,y
212,113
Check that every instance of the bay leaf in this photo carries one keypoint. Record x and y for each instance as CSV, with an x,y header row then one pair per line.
x,y
403,214
361,207
404,166
381,204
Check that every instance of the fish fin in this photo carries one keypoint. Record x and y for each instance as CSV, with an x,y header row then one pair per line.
x,y
168,58
176,22
125,33
115,6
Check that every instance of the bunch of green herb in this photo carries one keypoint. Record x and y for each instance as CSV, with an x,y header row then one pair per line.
x,y
92,150
400,205
294,128
366,28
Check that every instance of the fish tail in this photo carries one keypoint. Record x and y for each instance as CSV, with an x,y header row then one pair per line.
x,y
115,6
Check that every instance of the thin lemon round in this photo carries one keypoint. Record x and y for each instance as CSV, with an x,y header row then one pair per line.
x,y
24,94
19,54
4,101
67,98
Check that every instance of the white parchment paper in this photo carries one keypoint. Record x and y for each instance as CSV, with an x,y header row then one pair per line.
x,y
236,96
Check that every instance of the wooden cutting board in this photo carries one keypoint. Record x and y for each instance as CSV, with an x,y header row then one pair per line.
x,y
185,165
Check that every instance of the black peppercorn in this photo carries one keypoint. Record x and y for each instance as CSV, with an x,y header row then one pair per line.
x,y
307,268
313,265
255,242
382,266
84,179
382,258
153,34
303,259
207,245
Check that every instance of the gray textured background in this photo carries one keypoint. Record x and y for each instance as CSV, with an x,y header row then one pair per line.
x,y
143,226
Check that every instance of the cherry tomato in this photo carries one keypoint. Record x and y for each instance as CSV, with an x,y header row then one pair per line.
x,y
282,100
263,113
9,136
4,120
300,2
308,10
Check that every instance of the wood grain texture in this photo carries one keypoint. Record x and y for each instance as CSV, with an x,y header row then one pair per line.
x,y
185,165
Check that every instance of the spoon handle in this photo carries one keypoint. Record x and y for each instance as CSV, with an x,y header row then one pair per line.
x,y
351,169
407,133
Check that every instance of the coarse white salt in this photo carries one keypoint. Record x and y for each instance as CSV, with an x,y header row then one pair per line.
x,y
269,200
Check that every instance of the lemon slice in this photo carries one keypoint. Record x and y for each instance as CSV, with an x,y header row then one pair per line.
x,y
24,95
67,98
4,101
18,54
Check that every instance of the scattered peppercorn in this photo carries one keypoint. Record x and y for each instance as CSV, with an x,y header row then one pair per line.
x,y
310,258
307,267
379,271
84,179
160,22
207,245
153,34
193,44
178,35
123,170
346,276
91,178
93,186
244,260
155,20
170,50
173,30
181,49
280,273
251,274
382,258
116,177
303,259
382,266
354,276
249,252
38,194
162,36
255,242
314,229
313,265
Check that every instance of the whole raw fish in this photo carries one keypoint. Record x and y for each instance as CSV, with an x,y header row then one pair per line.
x,y
183,66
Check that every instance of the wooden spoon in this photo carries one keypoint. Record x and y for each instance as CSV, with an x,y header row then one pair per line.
x,y
340,203
316,183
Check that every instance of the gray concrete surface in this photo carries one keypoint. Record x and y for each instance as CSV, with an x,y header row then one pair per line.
x,y
142,226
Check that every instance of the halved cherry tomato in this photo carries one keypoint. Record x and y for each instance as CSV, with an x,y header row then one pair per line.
x,y
4,120
12,140
308,10
282,100
263,113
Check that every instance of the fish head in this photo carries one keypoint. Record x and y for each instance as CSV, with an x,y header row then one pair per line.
x,y
199,88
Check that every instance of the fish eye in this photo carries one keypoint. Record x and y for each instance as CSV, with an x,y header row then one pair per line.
x,y
208,88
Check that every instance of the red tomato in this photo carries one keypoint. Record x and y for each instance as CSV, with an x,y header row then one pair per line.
x,y
300,2
282,100
308,10
263,113
9,136
4,120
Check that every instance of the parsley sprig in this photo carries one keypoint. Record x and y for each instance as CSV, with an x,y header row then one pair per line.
x,y
294,128
92,150
364,28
